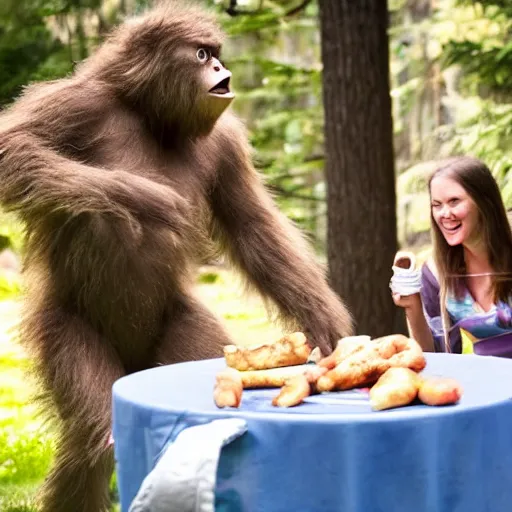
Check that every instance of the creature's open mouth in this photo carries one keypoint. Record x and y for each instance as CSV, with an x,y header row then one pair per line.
x,y
221,88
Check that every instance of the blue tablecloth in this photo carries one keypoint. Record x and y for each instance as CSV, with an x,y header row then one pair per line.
x,y
332,453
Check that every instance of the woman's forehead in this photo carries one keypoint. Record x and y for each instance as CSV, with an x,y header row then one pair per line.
x,y
443,187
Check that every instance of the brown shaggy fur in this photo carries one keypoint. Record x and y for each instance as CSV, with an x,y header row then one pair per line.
x,y
123,179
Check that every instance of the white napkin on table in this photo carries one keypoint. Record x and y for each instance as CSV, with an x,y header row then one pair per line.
x,y
184,478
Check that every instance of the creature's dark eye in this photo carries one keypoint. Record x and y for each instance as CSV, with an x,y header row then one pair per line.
x,y
203,55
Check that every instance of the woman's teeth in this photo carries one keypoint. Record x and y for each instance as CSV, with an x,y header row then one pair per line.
x,y
452,228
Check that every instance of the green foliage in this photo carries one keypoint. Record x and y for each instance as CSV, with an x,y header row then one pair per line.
x,y
25,453
10,285
11,237
17,500
491,8
488,61
27,45
485,56
460,57
209,277
275,59
252,23
25,458
487,134
11,229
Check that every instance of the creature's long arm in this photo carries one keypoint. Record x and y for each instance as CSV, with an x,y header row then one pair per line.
x,y
269,249
38,178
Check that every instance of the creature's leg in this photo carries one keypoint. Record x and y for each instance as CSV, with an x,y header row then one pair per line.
x,y
77,369
192,333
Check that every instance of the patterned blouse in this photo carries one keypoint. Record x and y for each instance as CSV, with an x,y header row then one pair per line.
x,y
466,313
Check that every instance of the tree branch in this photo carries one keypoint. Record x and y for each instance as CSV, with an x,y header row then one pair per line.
x,y
233,11
291,195
295,10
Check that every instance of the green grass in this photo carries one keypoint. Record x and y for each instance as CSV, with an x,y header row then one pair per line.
x,y
25,448
25,452
243,315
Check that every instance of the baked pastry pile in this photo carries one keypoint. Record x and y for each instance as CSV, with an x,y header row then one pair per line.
x,y
390,366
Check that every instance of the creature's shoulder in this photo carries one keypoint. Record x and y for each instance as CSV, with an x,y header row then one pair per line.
x,y
49,107
58,94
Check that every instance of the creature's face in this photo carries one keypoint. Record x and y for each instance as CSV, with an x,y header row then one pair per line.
x,y
204,80
454,212
216,79
168,62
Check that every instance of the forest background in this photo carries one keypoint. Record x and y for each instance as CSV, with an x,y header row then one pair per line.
x,y
447,68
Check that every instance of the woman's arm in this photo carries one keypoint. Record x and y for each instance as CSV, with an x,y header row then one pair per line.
x,y
423,311
416,321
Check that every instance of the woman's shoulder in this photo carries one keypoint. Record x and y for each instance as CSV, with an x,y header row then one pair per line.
x,y
429,272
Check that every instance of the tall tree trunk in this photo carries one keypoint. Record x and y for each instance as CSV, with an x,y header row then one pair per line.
x,y
361,200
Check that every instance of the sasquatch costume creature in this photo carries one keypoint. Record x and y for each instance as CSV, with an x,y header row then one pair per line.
x,y
125,174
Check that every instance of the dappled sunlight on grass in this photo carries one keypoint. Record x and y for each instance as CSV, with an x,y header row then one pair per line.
x,y
25,452
242,313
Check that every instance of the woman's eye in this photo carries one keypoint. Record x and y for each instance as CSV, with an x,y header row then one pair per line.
x,y
202,55
453,201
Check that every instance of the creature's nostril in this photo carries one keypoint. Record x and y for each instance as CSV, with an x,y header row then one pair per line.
x,y
216,68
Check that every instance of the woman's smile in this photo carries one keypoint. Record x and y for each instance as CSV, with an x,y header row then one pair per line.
x,y
451,226
454,212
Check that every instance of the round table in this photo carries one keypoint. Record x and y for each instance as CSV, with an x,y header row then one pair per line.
x,y
332,453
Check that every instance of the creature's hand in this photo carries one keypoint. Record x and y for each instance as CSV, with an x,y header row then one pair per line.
x,y
150,200
326,325
323,341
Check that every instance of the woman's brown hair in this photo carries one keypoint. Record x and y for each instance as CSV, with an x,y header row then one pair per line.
x,y
476,179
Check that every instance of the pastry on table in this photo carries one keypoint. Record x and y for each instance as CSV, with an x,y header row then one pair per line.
x,y
364,367
390,365
292,349
228,388
299,387
395,388
440,391
345,348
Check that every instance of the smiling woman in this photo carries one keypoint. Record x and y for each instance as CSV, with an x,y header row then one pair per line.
x,y
454,212
467,286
